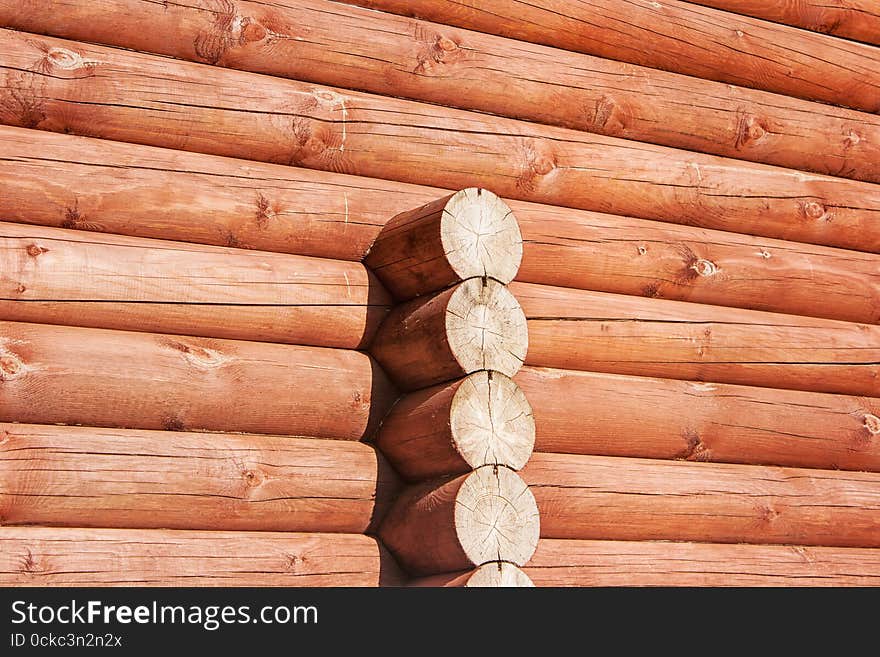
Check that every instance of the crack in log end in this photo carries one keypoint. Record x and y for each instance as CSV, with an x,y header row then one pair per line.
x,y
11,366
815,211
749,130
872,424
694,450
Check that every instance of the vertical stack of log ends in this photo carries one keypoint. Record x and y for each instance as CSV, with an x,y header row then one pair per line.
x,y
463,428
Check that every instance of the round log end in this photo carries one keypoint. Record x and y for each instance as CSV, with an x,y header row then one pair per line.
x,y
480,236
491,421
486,327
499,575
496,517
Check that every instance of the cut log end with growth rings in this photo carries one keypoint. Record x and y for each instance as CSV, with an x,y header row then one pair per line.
x,y
482,419
490,575
477,325
485,516
471,233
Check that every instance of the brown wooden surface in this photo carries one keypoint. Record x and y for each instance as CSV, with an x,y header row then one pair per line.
x,y
98,377
97,185
464,235
59,276
680,37
594,331
603,497
42,556
612,415
66,86
454,524
85,477
476,325
650,563
332,43
451,428
851,19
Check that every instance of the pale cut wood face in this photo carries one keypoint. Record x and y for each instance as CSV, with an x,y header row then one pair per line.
x,y
497,575
491,421
480,236
496,517
486,327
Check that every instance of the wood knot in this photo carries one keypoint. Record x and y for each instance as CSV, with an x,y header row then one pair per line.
x,y
814,210
21,289
609,116
642,250
173,423
252,478
872,424
264,212
33,250
67,60
446,44
764,253
11,367
29,563
750,129
704,267
252,31
851,139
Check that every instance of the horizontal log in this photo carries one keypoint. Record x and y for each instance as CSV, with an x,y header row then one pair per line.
x,y
463,235
612,415
100,185
84,477
581,330
59,276
66,86
603,497
680,37
490,575
648,563
476,325
451,428
42,556
382,53
651,259
443,526
98,377
850,19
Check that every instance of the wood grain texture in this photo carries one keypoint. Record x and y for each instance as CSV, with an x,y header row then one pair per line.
x,y
58,276
84,477
335,44
650,563
97,377
594,331
471,233
476,325
603,497
451,428
66,86
97,185
851,19
612,415
42,556
680,37
491,575
454,524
